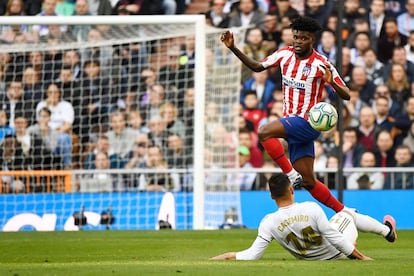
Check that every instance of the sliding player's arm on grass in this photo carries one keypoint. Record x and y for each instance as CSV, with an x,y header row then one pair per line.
x,y
254,252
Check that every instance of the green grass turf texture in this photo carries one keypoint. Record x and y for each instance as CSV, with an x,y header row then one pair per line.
x,y
169,252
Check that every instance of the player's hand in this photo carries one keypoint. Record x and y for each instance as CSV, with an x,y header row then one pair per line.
x,y
327,73
227,38
366,258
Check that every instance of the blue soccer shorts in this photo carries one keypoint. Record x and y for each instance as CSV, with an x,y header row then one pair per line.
x,y
300,137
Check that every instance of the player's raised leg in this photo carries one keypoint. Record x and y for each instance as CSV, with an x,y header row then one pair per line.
x,y
268,136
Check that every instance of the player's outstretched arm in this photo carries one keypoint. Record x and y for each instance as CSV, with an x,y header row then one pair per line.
x,y
225,256
228,39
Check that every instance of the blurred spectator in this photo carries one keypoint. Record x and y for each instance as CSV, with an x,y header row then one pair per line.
x,y
409,139
102,54
270,32
64,7
13,101
286,37
375,179
101,145
252,112
12,159
59,143
33,7
361,25
329,140
187,55
156,99
100,7
352,12
409,47
71,58
245,138
320,159
382,117
127,62
80,32
44,69
137,157
384,152
365,87
98,100
351,149
403,121
401,180
169,113
285,9
318,10
98,181
121,138
159,133
5,128
389,40
158,181
32,85
361,44
246,13
376,17
147,79
399,56
373,67
382,90
136,122
216,16
127,6
367,130
327,45
37,153
347,66
62,113
9,33
243,180
174,76
406,20
254,48
56,36
177,154
398,84
263,86
332,163
48,9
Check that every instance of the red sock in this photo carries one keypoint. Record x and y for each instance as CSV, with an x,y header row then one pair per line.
x,y
324,196
276,151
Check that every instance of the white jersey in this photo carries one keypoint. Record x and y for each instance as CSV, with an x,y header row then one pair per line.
x,y
302,229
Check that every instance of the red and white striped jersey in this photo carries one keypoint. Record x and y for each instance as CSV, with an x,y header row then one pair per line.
x,y
302,79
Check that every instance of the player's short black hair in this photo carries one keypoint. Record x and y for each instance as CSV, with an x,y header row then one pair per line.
x,y
305,24
278,185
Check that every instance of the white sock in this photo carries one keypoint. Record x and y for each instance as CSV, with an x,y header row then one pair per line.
x,y
366,223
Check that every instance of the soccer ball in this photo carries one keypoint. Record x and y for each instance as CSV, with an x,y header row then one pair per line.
x,y
322,116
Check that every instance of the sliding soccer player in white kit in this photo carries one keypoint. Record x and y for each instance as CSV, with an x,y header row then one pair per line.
x,y
304,230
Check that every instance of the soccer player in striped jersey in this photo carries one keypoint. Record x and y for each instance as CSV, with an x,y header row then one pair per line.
x,y
304,230
305,73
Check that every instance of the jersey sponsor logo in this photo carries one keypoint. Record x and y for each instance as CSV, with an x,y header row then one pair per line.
x,y
296,84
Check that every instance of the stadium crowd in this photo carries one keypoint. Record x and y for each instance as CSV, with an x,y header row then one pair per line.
x,y
110,107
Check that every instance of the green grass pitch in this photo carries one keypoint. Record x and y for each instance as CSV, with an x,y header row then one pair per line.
x,y
168,252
